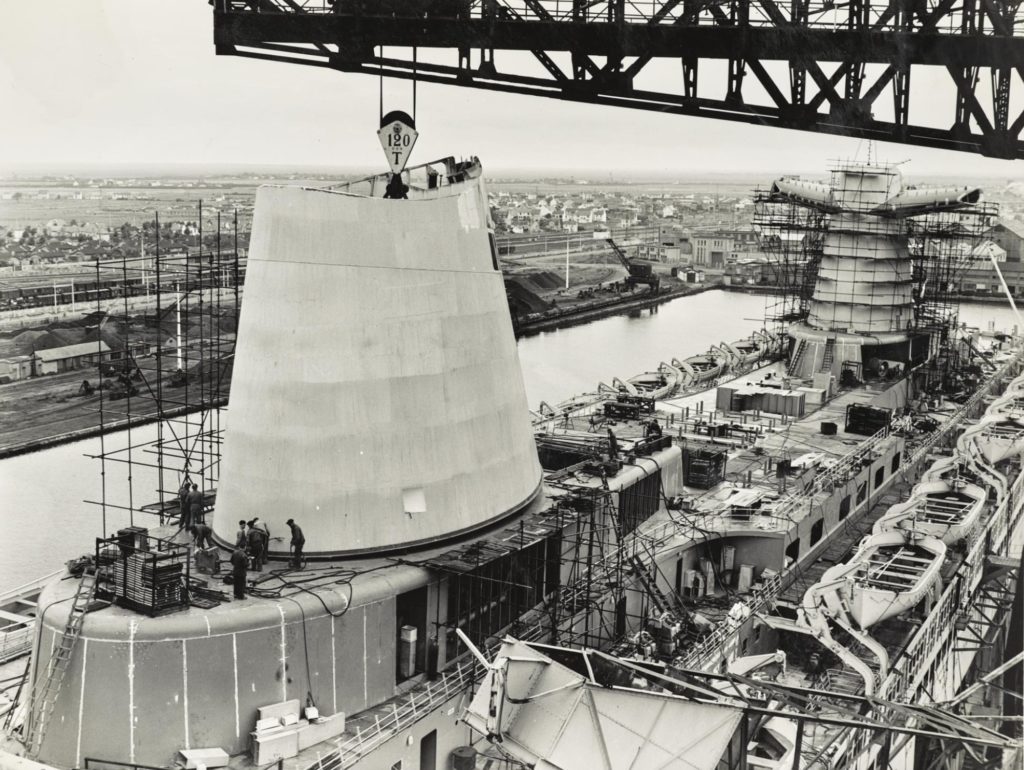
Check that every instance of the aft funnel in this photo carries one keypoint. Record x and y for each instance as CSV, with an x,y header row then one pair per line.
x,y
865,294
376,398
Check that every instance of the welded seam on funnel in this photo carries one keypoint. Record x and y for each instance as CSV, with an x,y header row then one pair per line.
x,y
81,704
234,666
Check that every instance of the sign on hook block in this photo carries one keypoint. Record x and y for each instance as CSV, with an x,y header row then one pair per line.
x,y
397,136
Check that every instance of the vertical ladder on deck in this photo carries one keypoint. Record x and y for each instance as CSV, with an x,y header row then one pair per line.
x,y
46,686
798,356
829,356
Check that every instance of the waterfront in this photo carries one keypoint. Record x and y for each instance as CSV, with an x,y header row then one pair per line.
x,y
43,512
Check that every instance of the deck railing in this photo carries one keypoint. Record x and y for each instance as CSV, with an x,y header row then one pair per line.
x,y
16,639
418,703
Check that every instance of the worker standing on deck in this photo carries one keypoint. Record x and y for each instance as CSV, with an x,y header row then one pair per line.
x,y
183,518
298,541
195,505
239,562
241,539
258,536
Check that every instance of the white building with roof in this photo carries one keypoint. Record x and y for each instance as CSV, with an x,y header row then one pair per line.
x,y
70,357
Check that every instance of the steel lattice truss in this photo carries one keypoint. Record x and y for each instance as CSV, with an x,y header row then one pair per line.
x,y
812,65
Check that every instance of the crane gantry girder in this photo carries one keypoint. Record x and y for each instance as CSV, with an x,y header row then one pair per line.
x,y
827,48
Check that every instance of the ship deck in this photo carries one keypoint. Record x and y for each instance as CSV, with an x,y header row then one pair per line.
x,y
747,495
745,500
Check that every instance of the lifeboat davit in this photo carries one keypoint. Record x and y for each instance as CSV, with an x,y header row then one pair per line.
x,y
951,469
890,574
618,386
947,509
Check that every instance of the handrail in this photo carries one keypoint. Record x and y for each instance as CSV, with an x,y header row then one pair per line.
x,y
32,585
417,703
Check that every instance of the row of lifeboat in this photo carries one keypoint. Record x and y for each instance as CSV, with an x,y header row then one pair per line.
x,y
670,377
701,369
899,564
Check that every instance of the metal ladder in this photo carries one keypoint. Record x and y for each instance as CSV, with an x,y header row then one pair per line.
x,y
649,580
828,356
46,686
798,356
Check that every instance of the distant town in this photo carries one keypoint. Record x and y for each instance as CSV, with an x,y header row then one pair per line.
x,y
51,225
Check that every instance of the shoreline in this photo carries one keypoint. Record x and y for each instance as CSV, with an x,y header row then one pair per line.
x,y
568,318
69,437
587,313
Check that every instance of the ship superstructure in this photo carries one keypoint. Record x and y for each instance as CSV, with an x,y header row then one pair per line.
x,y
752,527
863,306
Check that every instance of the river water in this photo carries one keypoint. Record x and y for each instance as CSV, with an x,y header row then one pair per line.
x,y
45,519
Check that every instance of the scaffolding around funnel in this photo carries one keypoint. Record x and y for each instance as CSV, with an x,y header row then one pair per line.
x,y
940,245
163,388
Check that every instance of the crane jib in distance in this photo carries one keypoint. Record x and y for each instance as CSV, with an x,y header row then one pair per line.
x,y
639,272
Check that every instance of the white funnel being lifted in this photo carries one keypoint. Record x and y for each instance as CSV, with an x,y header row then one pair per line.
x,y
376,398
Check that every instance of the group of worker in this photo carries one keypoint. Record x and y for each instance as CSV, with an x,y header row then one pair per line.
x,y
252,541
192,504
253,538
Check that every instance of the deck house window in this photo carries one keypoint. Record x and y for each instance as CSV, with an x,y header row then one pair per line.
x,y
816,530
844,508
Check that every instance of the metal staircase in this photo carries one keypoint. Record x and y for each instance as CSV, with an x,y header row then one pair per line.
x,y
47,684
829,356
798,357
647,574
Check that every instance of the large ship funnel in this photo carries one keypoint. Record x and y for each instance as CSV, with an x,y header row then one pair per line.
x,y
865,296
377,397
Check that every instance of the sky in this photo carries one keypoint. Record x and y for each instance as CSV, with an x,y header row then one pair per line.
x,y
136,82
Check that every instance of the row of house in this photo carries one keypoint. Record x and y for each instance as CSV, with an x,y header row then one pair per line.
x,y
17,255
574,212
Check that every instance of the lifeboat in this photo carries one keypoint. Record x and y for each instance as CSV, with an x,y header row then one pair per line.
x,y
749,351
890,574
1010,404
658,384
774,745
702,368
997,436
947,509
